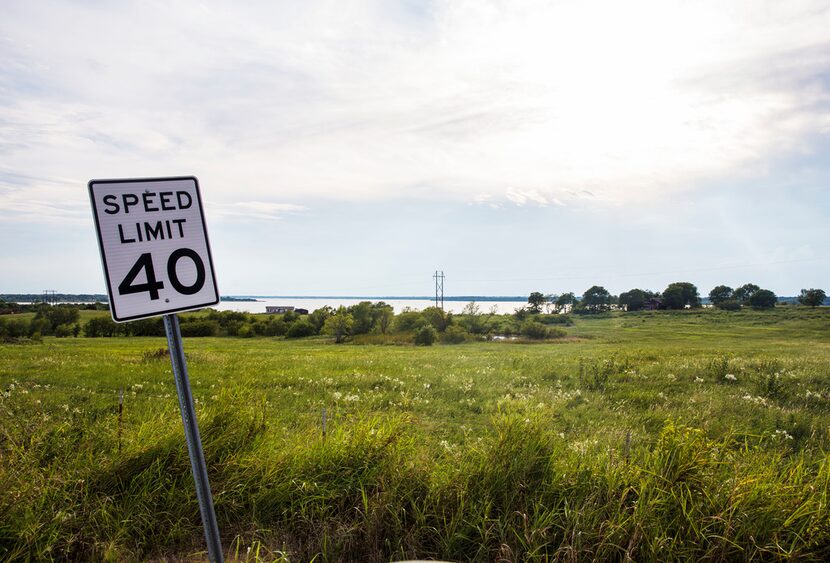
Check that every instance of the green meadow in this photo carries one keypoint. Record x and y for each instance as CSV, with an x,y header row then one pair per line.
x,y
651,436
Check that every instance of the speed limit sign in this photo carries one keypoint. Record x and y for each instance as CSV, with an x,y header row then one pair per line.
x,y
154,246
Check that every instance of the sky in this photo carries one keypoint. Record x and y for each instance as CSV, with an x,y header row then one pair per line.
x,y
356,147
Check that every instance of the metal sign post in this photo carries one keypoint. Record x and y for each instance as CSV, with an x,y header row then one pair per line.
x,y
191,434
156,257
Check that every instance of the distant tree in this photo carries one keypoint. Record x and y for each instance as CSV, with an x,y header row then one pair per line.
x,y
58,315
745,292
275,326
289,316
634,299
318,317
564,301
550,304
763,299
471,309
596,299
536,301
408,320
679,295
720,294
812,297
101,326
384,318
364,321
437,317
339,325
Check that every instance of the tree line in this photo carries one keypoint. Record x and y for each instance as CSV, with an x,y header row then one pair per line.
x,y
372,320
678,295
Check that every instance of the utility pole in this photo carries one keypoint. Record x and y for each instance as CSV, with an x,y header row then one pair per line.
x,y
439,288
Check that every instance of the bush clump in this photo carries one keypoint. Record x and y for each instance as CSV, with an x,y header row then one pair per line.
x,y
426,336
537,331
300,328
455,335
200,328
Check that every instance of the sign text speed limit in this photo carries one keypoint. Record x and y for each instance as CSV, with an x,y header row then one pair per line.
x,y
154,246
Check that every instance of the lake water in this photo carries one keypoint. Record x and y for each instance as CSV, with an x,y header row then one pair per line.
x,y
312,303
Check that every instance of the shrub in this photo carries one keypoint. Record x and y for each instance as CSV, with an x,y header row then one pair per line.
x,y
455,335
300,329
426,336
200,328
534,330
276,327
555,332
246,331
729,305
101,326
13,328
232,327
59,315
408,321
63,330
40,325
147,327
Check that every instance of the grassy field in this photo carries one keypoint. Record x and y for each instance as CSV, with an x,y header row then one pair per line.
x,y
693,435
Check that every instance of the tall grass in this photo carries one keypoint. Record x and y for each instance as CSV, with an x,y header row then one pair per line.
x,y
628,445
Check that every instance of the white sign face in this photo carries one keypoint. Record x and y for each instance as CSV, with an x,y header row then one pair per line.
x,y
154,246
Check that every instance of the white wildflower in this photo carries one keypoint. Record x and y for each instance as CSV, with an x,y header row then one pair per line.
x,y
783,435
730,377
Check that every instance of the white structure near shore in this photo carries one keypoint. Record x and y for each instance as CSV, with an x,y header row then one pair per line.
x,y
278,309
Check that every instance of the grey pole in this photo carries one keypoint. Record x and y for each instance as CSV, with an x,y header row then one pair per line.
x,y
194,442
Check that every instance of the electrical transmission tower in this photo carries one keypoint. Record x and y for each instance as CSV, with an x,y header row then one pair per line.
x,y
49,296
439,289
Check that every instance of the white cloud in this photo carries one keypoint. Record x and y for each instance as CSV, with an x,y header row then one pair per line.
x,y
285,102
254,210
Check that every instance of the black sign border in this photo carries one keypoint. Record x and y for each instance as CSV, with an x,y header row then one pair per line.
x,y
195,181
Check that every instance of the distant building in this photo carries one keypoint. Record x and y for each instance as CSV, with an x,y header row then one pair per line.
x,y
279,309
301,311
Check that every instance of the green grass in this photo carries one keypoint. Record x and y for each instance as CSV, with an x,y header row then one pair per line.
x,y
695,435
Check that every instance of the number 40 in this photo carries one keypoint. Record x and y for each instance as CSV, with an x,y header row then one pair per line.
x,y
152,285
